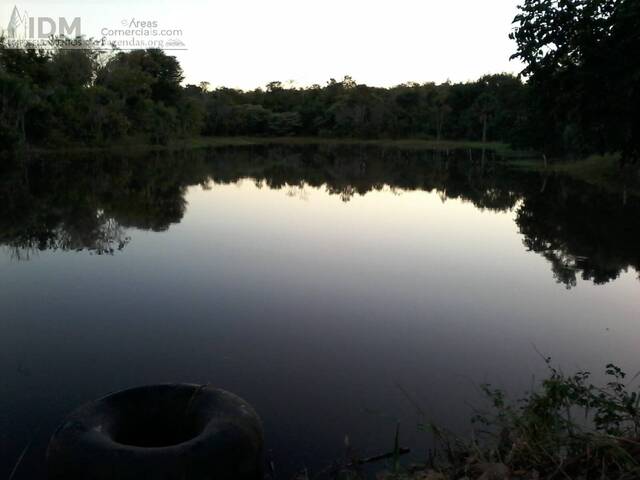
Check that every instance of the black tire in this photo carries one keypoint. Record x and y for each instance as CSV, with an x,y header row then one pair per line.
x,y
168,432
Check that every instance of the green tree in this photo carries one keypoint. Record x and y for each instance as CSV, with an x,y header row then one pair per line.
x,y
15,100
582,59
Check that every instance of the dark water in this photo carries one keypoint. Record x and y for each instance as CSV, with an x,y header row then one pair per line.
x,y
339,290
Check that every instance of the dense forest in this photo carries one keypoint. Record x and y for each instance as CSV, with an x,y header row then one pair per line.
x,y
577,95
70,96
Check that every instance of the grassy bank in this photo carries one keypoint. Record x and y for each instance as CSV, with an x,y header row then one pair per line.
x,y
603,171
141,145
567,428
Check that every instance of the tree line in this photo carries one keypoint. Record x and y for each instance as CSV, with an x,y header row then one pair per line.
x,y
55,97
577,95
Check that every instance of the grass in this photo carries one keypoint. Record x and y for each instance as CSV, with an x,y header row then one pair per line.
x,y
567,428
603,171
19,461
139,144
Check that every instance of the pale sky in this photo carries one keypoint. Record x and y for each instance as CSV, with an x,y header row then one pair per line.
x,y
248,43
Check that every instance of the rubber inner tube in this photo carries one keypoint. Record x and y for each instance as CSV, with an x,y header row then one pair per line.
x,y
162,431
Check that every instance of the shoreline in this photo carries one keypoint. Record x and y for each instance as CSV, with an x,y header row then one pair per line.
x,y
139,145
600,171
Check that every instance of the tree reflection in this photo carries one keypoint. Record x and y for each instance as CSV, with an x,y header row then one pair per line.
x,y
83,204
582,231
89,204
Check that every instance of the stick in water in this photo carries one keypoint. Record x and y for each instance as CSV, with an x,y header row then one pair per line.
x,y
15,467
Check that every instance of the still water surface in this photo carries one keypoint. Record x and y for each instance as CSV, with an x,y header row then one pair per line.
x,y
335,290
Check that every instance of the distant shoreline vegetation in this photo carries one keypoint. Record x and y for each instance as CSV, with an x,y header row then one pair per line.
x,y
71,98
580,97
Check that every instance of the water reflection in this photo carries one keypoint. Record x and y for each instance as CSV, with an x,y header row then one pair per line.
x,y
80,203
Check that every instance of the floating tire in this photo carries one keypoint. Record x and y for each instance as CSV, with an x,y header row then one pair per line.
x,y
168,432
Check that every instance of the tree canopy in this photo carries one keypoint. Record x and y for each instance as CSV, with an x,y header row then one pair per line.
x,y
83,96
582,61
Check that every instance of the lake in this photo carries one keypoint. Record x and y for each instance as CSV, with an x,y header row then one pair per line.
x,y
338,289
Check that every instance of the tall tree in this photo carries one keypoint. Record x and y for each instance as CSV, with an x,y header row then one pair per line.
x,y
579,57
